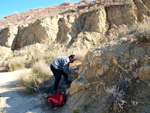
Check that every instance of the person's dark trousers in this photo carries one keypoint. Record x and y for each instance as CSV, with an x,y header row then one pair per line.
x,y
57,74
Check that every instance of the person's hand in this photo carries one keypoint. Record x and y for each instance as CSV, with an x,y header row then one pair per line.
x,y
74,73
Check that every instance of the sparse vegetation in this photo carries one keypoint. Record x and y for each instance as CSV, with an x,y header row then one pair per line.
x,y
27,83
116,95
141,31
9,58
143,36
39,74
14,64
75,110
41,69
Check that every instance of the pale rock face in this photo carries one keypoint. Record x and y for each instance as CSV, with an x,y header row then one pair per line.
x,y
46,28
76,86
8,35
95,21
86,40
64,30
121,14
146,3
73,26
142,9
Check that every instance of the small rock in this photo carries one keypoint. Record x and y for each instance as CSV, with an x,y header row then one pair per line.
x,y
137,81
146,81
68,91
148,84
135,75
87,86
76,71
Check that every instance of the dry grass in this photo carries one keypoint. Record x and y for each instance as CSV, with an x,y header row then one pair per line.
x,y
39,74
141,31
41,69
14,64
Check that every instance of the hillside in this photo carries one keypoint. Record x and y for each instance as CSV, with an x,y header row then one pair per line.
x,y
32,15
110,38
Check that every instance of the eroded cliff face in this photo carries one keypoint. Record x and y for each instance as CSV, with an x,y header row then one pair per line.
x,y
113,78
36,32
88,26
8,35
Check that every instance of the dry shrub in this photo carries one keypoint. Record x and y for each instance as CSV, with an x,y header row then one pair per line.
x,y
27,82
137,28
39,74
116,95
41,69
14,64
49,57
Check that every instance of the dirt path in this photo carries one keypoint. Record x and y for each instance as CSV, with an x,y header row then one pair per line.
x,y
12,100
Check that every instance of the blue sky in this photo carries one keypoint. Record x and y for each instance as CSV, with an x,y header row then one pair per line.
x,y
8,7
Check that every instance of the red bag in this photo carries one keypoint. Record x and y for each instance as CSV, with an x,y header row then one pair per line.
x,y
57,100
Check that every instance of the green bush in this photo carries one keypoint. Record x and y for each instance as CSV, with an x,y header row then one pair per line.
x,y
75,110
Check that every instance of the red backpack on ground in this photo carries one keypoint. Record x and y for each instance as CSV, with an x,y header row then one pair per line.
x,y
57,100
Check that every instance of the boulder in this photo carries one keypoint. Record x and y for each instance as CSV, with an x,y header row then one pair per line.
x,y
144,73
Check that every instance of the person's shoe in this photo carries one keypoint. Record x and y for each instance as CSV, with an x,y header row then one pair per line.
x,y
68,82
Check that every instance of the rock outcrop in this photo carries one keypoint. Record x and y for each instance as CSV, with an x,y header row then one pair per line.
x,y
105,69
